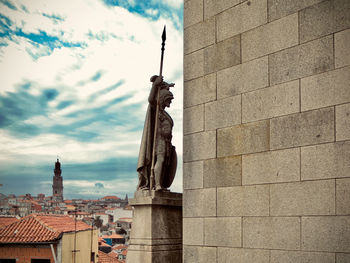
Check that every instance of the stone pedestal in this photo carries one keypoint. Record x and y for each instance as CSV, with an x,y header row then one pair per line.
x,y
156,233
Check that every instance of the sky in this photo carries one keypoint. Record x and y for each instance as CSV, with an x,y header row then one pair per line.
x,y
74,81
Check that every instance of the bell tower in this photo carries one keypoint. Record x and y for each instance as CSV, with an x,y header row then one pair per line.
x,y
57,184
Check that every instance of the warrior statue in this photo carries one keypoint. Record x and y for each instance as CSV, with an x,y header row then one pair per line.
x,y
157,157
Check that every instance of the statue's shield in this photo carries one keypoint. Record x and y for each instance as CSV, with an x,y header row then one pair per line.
x,y
170,169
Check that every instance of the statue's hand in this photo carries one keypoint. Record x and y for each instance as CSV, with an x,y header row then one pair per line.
x,y
158,81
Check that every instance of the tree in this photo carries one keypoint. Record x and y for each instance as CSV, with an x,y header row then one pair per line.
x,y
98,222
120,231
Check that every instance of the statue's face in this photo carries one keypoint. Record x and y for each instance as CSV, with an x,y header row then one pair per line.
x,y
167,102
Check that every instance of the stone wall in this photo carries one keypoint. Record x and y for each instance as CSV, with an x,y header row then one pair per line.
x,y
266,131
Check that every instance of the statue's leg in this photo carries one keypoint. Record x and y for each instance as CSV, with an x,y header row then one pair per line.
x,y
143,180
158,171
140,185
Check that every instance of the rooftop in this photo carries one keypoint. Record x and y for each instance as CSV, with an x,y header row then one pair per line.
x,y
7,220
112,236
40,228
105,258
125,219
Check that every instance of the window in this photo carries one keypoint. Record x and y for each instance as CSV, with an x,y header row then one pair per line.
x,y
35,260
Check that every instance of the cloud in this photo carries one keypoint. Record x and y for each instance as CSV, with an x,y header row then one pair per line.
x,y
16,107
8,4
99,185
75,81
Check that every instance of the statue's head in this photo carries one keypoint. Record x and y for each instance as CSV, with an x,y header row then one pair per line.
x,y
163,85
165,97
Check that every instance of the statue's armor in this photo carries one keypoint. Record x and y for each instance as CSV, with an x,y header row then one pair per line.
x,y
164,133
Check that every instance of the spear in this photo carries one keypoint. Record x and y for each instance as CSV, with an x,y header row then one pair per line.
x,y
157,111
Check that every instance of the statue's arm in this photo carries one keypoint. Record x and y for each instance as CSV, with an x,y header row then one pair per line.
x,y
152,98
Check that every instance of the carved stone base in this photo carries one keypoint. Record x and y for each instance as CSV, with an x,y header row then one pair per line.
x,y
156,233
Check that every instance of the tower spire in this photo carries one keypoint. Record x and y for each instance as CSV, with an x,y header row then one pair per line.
x,y
57,182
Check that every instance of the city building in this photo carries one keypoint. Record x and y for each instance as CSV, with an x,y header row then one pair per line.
x,y
48,239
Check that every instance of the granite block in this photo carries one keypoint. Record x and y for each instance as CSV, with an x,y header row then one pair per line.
x,y
343,196
199,146
342,120
324,161
271,232
241,255
223,113
326,233
193,120
271,102
283,256
193,12
325,89
341,47
242,139
221,172
194,65
303,198
241,18
193,175
342,258
195,254
281,8
193,231
200,90
282,33
312,127
199,35
271,167
243,201
213,7
242,78
222,231
323,19
222,55
199,202
301,61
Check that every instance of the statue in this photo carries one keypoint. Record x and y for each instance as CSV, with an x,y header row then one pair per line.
x,y
156,143
157,160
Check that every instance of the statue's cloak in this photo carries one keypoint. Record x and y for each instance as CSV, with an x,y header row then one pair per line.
x,y
146,147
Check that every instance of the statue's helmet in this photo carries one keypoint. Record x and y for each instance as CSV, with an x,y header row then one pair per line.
x,y
163,85
164,95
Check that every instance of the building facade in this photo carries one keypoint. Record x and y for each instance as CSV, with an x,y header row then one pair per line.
x,y
266,131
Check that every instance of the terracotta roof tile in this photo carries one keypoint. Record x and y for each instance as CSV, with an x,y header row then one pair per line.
x,y
113,254
39,228
112,236
63,223
4,221
125,219
103,244
105,258
118,247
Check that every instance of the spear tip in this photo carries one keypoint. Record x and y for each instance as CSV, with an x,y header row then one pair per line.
x,y
164,34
